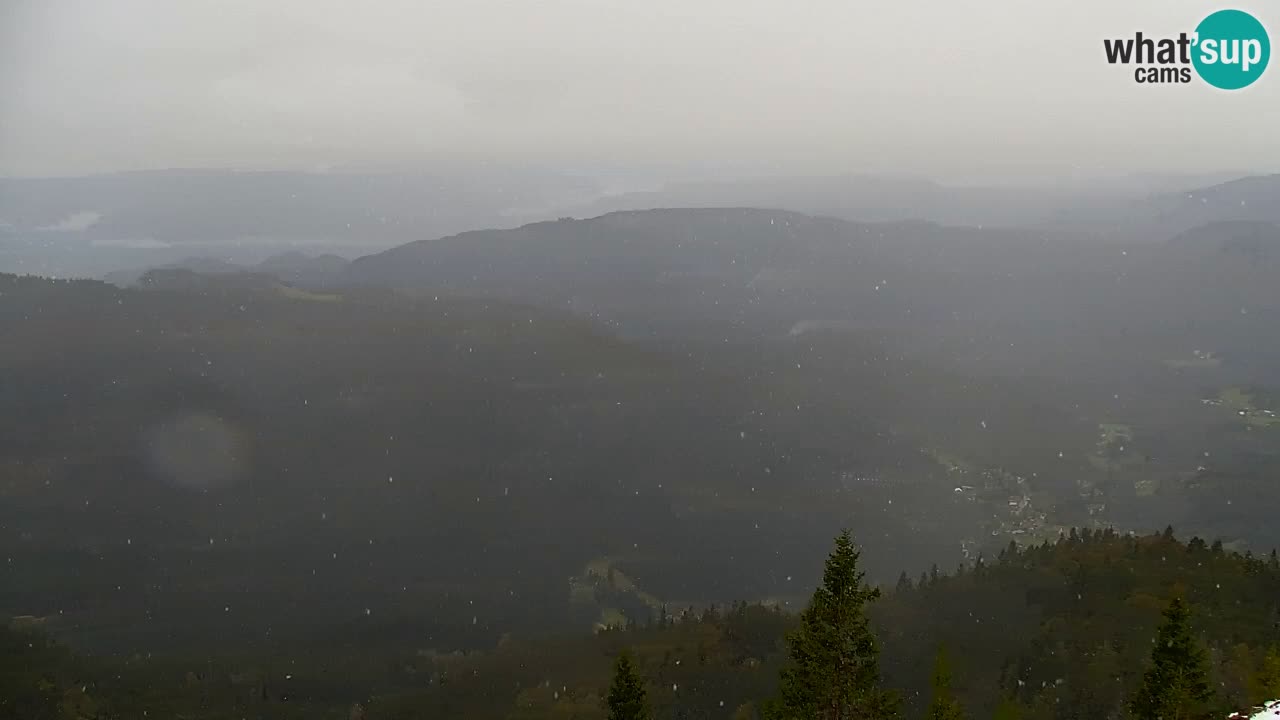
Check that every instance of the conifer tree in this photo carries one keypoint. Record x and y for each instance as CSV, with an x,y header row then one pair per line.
x,y
833,670
904,582
628,699
1176,685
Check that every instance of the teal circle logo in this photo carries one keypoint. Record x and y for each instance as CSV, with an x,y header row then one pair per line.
x,y
1231,49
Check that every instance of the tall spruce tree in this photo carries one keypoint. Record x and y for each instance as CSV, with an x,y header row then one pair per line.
x,y
1176,685
628,699
833,670
943,705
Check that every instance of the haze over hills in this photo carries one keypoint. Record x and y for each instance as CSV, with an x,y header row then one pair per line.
x,y
283,212
1163,215
576,423
1245,241
1116,332
863,198
711,378
1086,204
761,273
337,207
294,266
232,443
814,270
90,226
425,361
228,468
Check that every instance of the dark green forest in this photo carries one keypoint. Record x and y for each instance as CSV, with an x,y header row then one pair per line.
x,y
1060,630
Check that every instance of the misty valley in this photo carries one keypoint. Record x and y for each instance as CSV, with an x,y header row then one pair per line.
x,y
425,480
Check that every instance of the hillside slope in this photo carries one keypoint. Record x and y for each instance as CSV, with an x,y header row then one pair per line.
x,y
1059,631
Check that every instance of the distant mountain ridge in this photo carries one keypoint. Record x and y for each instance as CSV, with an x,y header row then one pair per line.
x,y
886,198
193,206
175,207
1159,217
1255,240
863,198
293,267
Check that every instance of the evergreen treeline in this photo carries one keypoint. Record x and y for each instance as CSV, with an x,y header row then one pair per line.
x,y
1097,625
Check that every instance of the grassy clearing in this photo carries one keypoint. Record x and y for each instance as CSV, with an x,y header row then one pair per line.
x,y
1236,398
1197,359
1241,403
1114,449
1115,432
950,461
1146,487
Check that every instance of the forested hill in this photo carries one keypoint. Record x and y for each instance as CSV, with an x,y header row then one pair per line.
x,y
1066,628
1056,631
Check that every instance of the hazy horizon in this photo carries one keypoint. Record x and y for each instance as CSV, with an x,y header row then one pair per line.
x,y
417,358
952,92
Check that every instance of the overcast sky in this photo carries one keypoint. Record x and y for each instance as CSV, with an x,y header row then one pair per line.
x,y
923,86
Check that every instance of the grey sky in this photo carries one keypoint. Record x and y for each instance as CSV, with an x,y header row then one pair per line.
x,y
931,86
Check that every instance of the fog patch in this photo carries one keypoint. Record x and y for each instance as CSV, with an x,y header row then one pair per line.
x,y
78,222
130,243
194,450
808,326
